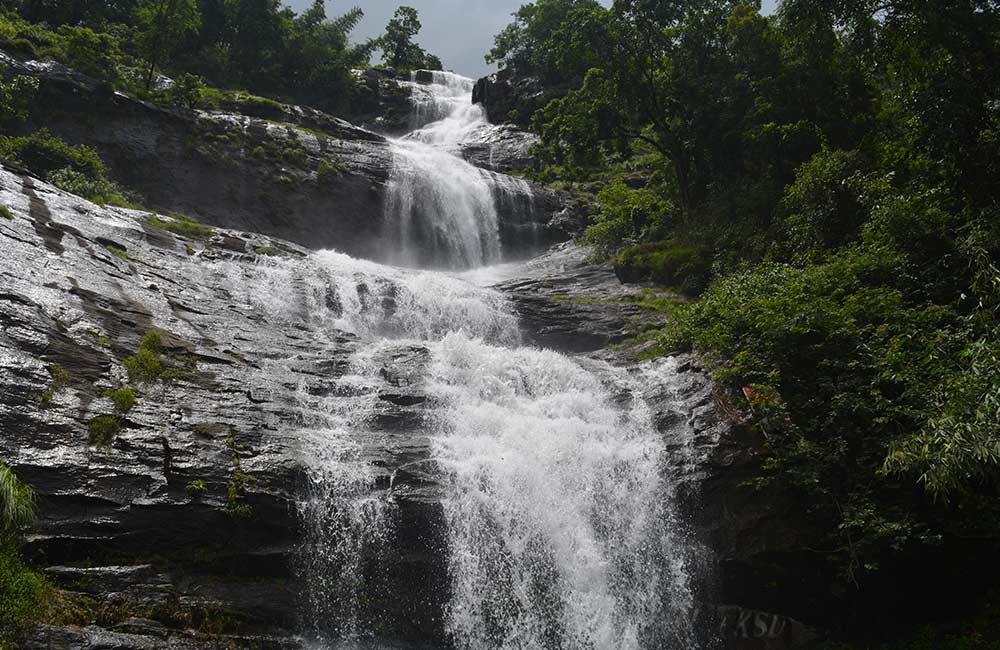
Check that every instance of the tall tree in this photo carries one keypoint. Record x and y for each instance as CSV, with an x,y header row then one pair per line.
x,y
162,24
398,49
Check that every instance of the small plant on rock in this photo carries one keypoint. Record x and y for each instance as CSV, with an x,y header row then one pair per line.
x,y
146,366
103,429
196,488
60,378
236,489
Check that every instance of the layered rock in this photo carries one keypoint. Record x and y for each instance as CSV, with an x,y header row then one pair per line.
x,y
188,517
382,104
258,166
512,98
503,148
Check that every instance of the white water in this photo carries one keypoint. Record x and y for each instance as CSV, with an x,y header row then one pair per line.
x,y
440,210
557,518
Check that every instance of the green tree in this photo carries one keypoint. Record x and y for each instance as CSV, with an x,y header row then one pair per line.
x,y
162,25
399,51
555,39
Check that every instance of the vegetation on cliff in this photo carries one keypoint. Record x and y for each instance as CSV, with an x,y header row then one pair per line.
x,y
305,58
21,589
826,180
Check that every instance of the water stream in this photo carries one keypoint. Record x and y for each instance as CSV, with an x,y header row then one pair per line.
x,y
541,474
441,211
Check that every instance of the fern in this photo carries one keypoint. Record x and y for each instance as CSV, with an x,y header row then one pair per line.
x,y
17,501
346,23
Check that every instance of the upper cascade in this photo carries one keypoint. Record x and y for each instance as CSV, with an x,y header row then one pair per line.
x,y
441,211
442,111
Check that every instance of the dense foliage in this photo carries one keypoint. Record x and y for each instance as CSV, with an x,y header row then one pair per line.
x,y
304,58
398,49
78,169
21,590
827,180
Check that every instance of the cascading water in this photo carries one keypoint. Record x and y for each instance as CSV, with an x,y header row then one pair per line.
x,y
544,474
441,211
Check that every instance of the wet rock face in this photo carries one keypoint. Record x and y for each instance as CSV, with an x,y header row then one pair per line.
x,y
259,166
503,148
383,104
188,518
512,98
564,302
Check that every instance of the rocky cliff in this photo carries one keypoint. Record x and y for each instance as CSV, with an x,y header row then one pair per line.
x,y
255,165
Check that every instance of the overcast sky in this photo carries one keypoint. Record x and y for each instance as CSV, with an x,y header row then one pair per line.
x,y
459,31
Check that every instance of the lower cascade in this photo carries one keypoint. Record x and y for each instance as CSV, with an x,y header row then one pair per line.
x,y
556,516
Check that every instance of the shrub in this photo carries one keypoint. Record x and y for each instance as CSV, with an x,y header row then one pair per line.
x,y
6,213
92,53
146,366
97,190
627,216
840,361
43,153
75,169
16,93
183,225
824,207
17,502
123,398
187,91
196,488
103,429
60,378
22,592
685,268
329,169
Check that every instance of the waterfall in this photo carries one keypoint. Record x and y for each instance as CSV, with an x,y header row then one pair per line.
x,y
441,211
559,527
537,479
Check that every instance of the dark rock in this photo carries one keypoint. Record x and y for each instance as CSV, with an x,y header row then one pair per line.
x,y
512,98
382,103
567,303
503,148
423,76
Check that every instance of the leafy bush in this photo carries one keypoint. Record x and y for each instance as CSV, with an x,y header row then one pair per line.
x,y
196,488
183,225
75,169
685,268
103,429
839,361
147,366
22,593
93,53
6,213
98,190
824,207
627,216
16,93
187,91
123,398
44,153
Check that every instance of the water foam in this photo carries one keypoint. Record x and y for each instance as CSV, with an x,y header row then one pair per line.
x,y
441,211
560,529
